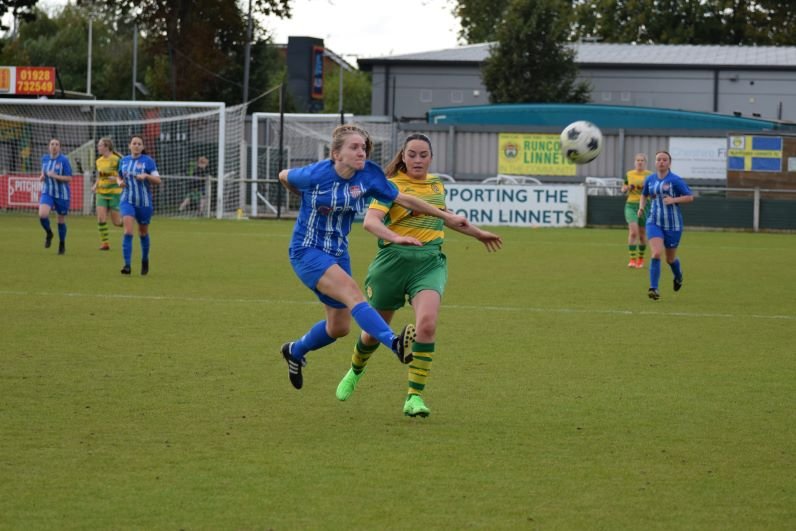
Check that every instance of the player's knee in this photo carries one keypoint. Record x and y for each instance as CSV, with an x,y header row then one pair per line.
x,y
368,339
426,330
338,330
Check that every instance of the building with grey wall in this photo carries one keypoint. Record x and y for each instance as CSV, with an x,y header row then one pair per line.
x,y
755,81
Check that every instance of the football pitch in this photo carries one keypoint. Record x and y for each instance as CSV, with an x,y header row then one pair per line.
x,y
561,397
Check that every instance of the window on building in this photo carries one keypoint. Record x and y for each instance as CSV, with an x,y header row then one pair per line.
x,y
425,95
457,96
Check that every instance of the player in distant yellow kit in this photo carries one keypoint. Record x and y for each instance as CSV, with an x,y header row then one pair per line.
x,y
107,189
636,235
418,273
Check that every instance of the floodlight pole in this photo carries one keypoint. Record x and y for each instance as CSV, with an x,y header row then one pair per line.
x,y
88,61
135,56
247,55
340,102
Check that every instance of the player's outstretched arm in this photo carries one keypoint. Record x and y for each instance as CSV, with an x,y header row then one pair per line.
x,y
419,206
491,241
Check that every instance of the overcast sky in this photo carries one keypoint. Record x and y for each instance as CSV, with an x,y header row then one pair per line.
x,y
364,28
371,28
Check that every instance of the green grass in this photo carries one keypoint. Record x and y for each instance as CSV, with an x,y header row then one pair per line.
x,y
561,397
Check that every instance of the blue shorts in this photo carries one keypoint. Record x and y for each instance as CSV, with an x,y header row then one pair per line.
x,y
310,265
61,206
671,238
142,215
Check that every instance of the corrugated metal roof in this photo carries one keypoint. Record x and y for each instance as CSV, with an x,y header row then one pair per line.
x,y
685,54
651,54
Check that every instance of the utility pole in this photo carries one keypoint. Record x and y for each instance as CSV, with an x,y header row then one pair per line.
x,y
340,100
88,61
247,55
135,56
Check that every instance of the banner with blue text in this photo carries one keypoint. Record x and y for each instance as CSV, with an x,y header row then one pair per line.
x,y
519,206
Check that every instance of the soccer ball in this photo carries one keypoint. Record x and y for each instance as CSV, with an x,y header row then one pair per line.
x,y
581,142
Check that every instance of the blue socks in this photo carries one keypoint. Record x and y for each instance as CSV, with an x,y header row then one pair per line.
x,y
45,224
371,322
127,248
365,316
676,271
655,272
313,340
145,247
62,231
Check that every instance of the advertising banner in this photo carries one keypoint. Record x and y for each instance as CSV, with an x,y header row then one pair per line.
x,y
532,154
698,158
519,206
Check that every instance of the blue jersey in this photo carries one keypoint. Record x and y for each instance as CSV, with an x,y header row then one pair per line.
x,y
329,203
60,165
137,193
667,217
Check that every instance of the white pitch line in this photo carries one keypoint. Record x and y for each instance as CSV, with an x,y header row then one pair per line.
x,y
491,308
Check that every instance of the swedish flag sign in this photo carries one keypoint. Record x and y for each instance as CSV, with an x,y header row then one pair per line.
x,y
755,153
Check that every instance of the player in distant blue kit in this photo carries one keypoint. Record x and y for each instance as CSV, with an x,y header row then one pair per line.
x,y
56,174
332,192
666,191
137,174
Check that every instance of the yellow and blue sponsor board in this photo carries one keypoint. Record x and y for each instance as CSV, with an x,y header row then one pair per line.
x,y
532,154
754,153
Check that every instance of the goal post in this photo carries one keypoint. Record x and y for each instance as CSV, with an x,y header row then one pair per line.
x,y
304,139
176,134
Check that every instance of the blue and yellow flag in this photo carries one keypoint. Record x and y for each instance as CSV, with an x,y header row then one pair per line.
x,y
754,153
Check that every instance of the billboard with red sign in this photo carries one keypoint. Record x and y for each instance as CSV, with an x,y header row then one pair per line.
x,y
23,191
27,80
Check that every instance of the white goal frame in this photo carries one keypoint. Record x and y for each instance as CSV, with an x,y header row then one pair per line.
x,y
209,105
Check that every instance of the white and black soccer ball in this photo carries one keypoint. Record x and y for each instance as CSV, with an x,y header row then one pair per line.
x,y
581,142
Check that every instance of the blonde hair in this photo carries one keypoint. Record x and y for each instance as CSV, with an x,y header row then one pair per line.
x,y
397,163
108,143
341,132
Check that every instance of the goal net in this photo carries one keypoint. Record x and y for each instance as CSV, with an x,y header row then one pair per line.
x,y
198,147
304,139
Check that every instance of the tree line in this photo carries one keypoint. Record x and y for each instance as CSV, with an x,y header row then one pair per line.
x,y
189,51
531,62
196,50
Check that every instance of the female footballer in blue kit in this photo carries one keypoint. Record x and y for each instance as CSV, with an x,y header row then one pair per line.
x,y
666,191
137,174
332,192
56,174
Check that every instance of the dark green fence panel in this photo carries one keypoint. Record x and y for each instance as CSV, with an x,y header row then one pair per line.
x,y
734,213
706,211
778,214
605,210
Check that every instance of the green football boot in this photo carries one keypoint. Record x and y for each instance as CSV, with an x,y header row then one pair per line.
x,y
347,385
415,407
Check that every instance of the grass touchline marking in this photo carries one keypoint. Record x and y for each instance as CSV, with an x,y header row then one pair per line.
x,y
446,306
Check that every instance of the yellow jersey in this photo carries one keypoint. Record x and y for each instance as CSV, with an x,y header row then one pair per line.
x,y
402,221
635,182
107,171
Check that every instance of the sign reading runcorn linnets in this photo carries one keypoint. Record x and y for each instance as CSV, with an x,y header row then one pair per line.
x,y
532,154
